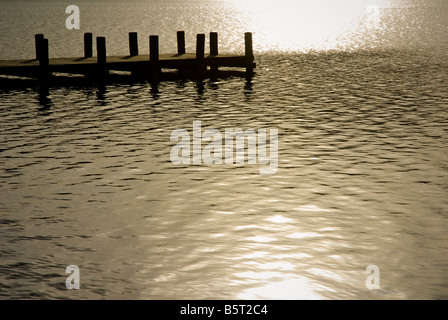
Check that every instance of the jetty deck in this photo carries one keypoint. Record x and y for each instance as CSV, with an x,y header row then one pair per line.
x,y
83,65
150,65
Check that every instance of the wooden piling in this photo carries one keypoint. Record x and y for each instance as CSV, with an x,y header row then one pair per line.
x,y
133,44
213,50
180,42
249,52
155,69
88,44
37,38
44,60
101,56
43,53
200,54
213,43
101,50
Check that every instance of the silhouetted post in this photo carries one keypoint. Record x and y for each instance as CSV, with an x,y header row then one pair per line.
x,y
200,48
213,50
43,53
213,43
154,57
133,44
44,59
249,52
101,50
101,54
37,38
88,43
181,42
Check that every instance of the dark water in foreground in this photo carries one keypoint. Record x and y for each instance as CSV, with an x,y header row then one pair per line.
x,y
86,179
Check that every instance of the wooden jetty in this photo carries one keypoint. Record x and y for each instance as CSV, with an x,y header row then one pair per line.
x,y
150,66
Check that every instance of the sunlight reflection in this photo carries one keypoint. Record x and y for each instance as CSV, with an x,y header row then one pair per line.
x,y
312,208
225,212
279,219
302,235
293,289
278,265
291,25
261,239
265,275
254,255
325,273
373,16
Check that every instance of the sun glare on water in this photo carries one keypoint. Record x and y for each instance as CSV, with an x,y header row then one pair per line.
x,y
291,25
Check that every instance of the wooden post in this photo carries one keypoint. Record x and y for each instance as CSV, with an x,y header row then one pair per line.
x,y
101,55
213,51
43,53
88,40
181,42
200,48
43,60
37,38
101,50
213,43
154,57
248,45
249,52
133,44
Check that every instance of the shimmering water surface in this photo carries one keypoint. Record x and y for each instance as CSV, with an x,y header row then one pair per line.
x,y
359,93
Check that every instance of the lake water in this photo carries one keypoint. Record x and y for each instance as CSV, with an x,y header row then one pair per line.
x,y
358,91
